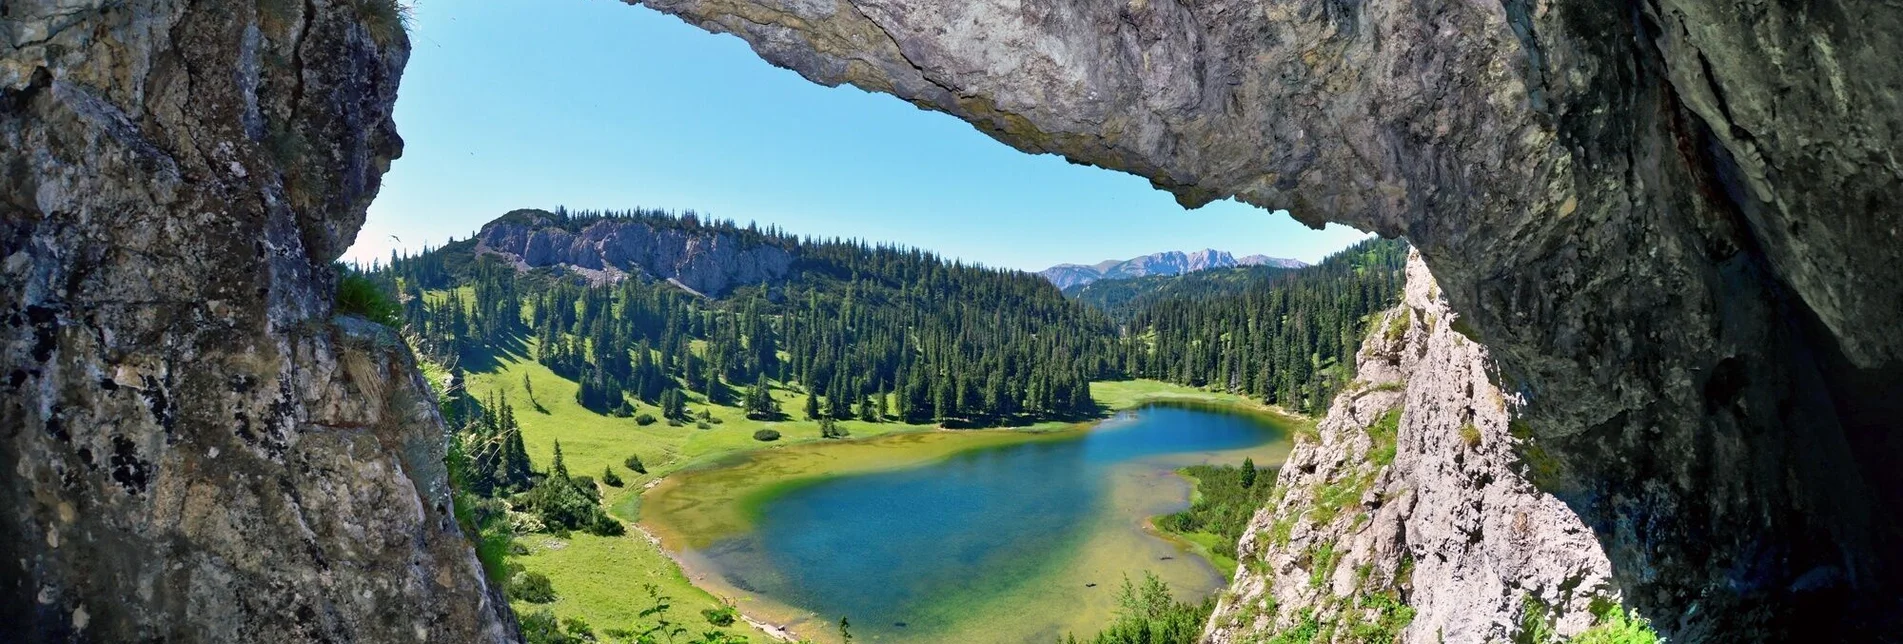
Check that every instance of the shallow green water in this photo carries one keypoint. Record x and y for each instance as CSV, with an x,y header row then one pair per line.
x,y
999,543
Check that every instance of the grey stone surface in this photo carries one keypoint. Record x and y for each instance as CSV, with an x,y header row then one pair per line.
x,y
1675,224
1452,526
194,448
705,262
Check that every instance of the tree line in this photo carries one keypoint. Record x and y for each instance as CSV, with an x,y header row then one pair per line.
x,y
1288,339
874,332
882,332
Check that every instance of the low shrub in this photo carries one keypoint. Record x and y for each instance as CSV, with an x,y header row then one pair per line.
x,y
540,627
606,526
577,627
1618,627
610,478
644,419
531,587
722,616
586,484
635,465
766,435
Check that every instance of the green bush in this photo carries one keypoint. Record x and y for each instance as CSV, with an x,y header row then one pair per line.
x,y
578,627
606,526
563,505
635,465
722,616
531,587
644,419
358,295
586,484
1618,627
540,627
829,428
610,478
1148,614
766,435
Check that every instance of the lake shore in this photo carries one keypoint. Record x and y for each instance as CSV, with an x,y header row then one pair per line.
x,y
693,509
595,577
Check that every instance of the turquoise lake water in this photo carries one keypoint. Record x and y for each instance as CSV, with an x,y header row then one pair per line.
x,y
919,554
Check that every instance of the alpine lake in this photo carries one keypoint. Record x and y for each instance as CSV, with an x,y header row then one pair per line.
x,y
956,536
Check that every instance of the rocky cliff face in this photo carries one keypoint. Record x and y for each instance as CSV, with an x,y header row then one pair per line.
x,y
707,263
1675,224
1409,513
196,450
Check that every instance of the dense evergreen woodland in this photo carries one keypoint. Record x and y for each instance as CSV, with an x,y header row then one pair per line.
x,y
1123,298
1288,338
876,333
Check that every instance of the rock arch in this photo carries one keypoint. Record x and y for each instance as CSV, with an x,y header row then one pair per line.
x,y
1678,224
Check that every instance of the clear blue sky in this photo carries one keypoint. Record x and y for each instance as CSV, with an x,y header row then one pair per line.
x,y
596,104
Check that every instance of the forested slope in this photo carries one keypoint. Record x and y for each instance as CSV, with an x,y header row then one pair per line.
x,y
1285,337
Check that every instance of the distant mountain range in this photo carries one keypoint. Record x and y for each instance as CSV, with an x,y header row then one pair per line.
x,y
1175,262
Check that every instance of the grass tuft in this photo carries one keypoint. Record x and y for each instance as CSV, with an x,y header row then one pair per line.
x,y
358,295
385,19
1470,435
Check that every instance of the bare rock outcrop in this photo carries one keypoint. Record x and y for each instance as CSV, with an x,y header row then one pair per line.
x,y
195,448
1676,224
1408,512
705,262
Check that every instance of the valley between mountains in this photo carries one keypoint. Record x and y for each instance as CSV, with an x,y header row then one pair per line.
x,y
583,358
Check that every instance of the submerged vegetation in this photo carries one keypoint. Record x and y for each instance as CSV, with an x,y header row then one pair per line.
x,y
1148,613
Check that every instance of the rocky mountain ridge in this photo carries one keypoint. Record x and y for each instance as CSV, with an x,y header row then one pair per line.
x,y
1067,276
705,262
1408,512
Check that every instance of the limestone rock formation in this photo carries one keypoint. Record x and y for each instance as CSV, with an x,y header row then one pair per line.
x,y
705,262
195,448
1409,513
1675,223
